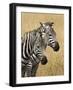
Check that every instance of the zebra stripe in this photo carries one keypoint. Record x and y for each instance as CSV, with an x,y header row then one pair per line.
x,y
23,48
51,40
33,44
27,50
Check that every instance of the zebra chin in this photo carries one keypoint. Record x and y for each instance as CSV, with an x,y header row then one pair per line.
x,y
57,47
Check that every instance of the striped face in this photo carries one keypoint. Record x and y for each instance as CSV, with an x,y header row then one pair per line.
x,y
49,35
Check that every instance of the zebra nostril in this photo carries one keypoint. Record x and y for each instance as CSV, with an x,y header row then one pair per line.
x,y
56,48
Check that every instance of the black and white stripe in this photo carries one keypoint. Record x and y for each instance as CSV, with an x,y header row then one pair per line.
x,y
29,58
33,44
27,51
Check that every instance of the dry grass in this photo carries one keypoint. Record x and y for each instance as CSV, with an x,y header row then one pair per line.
x,y
55,65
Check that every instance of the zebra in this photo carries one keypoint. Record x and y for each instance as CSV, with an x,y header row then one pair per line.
x,y
33,44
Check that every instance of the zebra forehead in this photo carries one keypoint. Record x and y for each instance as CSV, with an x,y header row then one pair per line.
x,y
49,23
51,29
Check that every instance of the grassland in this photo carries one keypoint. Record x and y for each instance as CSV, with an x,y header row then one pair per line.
x,y
55,65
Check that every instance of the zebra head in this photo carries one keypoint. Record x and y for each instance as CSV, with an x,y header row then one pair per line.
x,y
49,35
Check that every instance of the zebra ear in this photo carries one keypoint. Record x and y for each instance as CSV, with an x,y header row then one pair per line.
x,y
42,24
51,24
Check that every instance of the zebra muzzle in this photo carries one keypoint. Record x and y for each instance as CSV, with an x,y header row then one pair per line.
x,y
44,60
56,48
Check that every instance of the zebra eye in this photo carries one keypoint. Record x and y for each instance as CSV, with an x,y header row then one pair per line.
x,y
50,35
38,46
